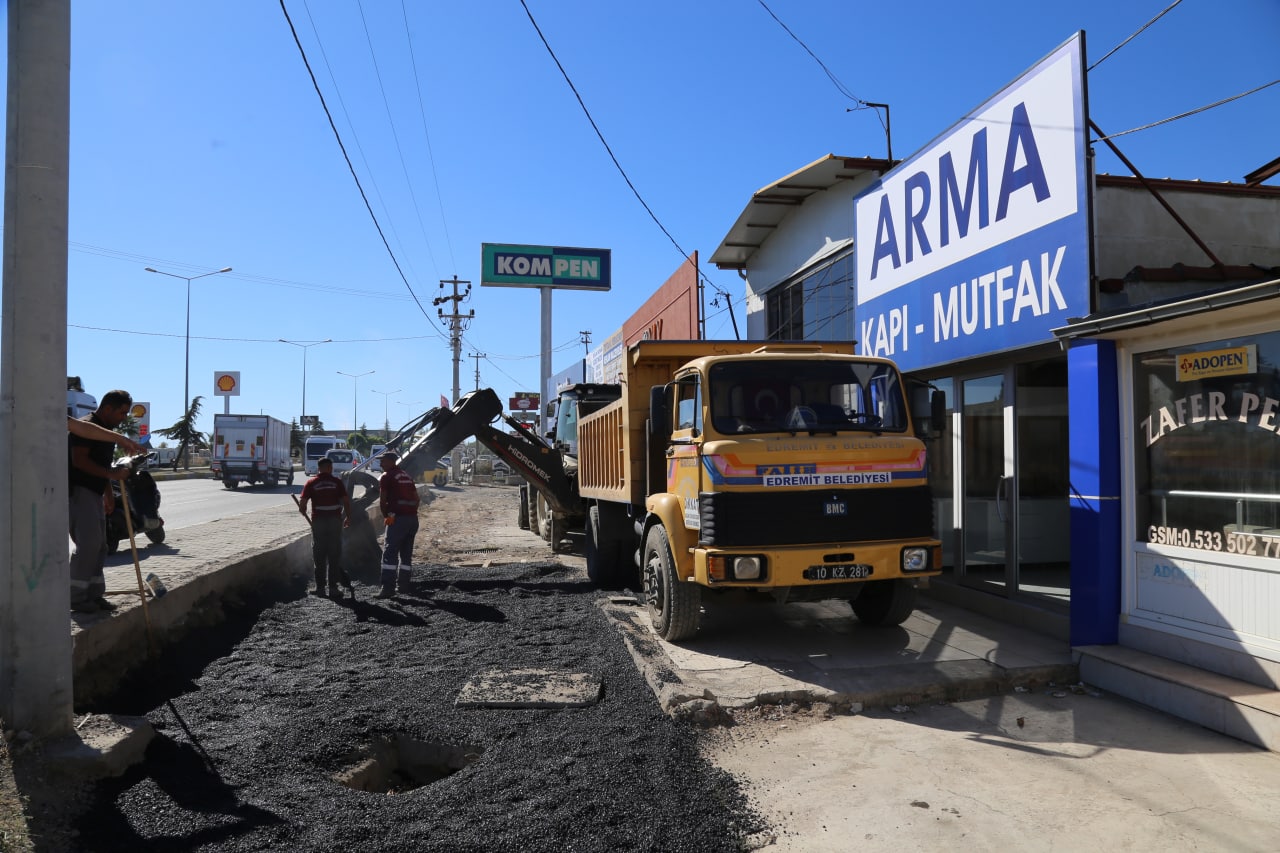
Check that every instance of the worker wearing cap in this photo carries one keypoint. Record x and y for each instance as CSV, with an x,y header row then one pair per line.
x,y
331,511
398,500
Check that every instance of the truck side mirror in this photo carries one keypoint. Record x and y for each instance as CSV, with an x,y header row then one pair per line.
x,y
659,413
937,413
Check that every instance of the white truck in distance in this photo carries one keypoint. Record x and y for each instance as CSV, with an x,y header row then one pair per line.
x,y
250,449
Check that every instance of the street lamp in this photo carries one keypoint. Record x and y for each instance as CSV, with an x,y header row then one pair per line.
x,y
305,347
386,405
355,385
186,383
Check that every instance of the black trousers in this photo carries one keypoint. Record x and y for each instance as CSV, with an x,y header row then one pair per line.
x,y
326,550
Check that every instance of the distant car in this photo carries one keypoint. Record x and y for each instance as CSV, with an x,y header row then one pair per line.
x,y
376,464
343,460
501,468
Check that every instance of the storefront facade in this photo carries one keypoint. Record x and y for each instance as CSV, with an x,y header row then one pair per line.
x,y
1067,490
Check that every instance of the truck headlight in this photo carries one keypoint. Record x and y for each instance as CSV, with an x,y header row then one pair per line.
x,y
747,568
915,559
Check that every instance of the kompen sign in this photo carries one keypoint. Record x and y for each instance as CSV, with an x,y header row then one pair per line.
x,y
544,266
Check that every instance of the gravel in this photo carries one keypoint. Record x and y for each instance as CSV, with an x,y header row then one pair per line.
x,y
259,717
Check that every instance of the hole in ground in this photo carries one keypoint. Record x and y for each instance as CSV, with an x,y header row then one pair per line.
x,y
399,763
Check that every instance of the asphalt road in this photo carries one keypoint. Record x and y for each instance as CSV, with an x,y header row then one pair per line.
x,y
185,503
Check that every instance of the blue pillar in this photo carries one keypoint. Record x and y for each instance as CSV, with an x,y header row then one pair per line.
x,y
1093,391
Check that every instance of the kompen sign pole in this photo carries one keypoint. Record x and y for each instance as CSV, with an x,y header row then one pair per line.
x,y
546,268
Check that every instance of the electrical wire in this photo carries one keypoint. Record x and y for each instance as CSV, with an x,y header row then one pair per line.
x,y
395,136
604,142
1132,37
240,340
431,157
1187,114
350,167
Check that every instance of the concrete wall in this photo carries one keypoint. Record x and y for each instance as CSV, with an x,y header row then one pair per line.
x,y
816,229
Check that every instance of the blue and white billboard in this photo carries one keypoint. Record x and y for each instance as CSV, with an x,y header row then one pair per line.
x,y
979,242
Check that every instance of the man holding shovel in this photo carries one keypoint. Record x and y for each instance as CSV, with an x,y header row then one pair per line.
x,y
331,512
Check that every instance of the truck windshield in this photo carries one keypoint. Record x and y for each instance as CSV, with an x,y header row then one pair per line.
x,y
826,395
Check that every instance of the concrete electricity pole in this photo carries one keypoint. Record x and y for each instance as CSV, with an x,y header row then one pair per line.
x,y
477,356
457,323
35,642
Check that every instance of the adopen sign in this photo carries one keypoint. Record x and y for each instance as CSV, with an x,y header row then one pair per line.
x,y
979,243
544,266
226,383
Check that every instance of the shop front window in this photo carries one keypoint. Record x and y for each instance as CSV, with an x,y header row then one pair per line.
x,y
1207,446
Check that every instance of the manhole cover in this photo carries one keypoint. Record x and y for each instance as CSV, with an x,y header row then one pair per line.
x,y
529,688
393,765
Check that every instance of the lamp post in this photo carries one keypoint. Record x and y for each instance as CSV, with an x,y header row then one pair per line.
x,y
355,386
186,382
305,347
386,405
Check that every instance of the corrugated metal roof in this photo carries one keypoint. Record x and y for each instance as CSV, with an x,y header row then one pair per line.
x,y
1115,324
769,206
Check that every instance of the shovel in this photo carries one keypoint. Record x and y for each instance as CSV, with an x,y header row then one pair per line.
x,y
346,580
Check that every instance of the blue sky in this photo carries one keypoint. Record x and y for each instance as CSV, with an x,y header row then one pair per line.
x,y
198,142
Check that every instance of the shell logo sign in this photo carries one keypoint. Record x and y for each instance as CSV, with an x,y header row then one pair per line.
x,y
141,413
226,383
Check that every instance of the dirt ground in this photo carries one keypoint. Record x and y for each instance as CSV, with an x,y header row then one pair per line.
x,y
310,724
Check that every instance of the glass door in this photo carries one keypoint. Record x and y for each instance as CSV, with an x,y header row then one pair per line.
x,y
987,483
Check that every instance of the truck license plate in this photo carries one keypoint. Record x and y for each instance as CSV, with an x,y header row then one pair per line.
x,y
838,571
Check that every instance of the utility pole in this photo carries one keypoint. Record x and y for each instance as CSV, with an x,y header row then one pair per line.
x,y
477,356
457,322
35,643
585,339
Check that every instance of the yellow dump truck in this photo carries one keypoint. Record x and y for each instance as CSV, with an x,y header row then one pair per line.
x,y
789,469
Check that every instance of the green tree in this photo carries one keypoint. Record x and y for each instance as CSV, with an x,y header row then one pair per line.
x,y
297,439
185,433
358,442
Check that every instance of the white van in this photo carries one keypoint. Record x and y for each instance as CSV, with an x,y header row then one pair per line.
x,y
376,463
343,459
315,448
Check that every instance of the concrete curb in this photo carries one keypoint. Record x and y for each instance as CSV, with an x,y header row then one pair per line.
x,y
681,694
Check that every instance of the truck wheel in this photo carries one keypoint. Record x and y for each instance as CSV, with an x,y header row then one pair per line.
x,y
603,554
546,520
231,484
673,603
885,603
522,515
290,480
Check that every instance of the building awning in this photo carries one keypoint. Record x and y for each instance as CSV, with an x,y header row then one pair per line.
x,y
1114,325
769,206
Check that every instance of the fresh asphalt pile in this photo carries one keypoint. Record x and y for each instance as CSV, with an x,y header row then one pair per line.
x,y
258,720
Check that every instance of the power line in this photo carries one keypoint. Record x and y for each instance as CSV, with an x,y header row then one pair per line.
x,y
604,142
1132,37
431,157
395,136
1186,114
337,136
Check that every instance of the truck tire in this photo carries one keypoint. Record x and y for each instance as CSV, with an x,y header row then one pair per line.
x,y
673,604
605,553
230,484
885,603
522,515
290,479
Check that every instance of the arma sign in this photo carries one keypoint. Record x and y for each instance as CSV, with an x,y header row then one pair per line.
x,y
979,242
544,266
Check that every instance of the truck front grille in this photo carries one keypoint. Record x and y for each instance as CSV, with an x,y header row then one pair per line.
x,y
759,519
